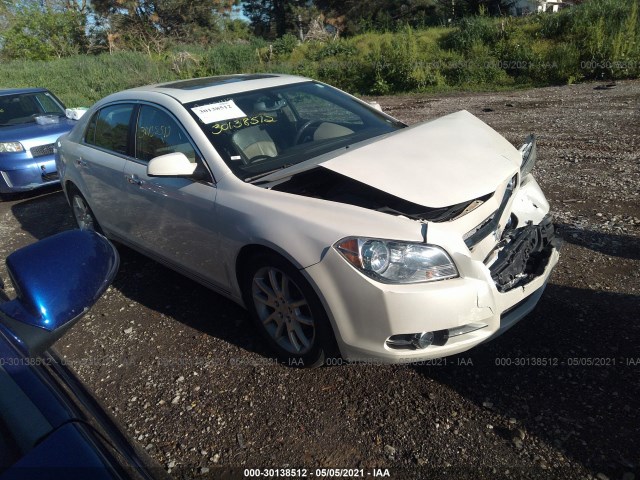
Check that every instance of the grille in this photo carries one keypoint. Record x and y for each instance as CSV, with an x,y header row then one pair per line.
x,y
42,150
491,223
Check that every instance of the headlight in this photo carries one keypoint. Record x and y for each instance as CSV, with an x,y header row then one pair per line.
x,y
393,261
6,147
529,153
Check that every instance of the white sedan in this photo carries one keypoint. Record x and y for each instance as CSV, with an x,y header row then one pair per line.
x,y
341,229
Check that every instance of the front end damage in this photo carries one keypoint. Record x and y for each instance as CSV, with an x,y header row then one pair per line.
x,y
505,248
522,254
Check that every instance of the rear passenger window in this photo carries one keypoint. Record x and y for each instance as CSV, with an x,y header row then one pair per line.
x,y
90,133
109,128
157,133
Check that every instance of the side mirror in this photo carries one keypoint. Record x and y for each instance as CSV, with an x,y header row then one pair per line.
x,y
57,280
171,165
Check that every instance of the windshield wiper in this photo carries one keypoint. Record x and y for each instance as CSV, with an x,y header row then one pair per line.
x,y
264,174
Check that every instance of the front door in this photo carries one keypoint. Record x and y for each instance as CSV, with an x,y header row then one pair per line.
x,y
173,218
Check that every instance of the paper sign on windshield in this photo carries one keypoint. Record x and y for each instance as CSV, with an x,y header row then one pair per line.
x,y
217,112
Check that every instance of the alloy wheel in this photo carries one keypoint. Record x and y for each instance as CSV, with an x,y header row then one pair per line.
x,y
283,310
82,213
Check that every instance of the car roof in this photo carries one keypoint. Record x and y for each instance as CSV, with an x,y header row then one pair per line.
x,y
18,91
186,91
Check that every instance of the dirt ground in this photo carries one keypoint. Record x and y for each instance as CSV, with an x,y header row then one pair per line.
x,y
555,397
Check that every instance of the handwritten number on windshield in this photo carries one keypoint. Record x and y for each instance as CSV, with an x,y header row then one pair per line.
x,y
218,128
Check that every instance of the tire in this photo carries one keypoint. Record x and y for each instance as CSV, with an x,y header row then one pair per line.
x,y
85,219
6,197
287,312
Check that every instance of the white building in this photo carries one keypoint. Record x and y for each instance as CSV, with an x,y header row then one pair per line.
x,y
525,7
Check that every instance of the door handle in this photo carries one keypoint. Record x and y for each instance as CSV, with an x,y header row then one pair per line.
x,y
134,179
81,162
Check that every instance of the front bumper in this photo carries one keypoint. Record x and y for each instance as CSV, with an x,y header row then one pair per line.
x,y
21,172
365,313
493,291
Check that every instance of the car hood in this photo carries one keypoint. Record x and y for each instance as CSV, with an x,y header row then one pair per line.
x,y
438,163
27,132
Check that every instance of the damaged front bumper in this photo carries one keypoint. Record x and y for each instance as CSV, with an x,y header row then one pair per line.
x,y
461,312
386,323
523,254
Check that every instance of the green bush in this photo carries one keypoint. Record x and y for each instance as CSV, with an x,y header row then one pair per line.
x,y
472,31
606,33
600,38
285,44
226,59
43,35
335,48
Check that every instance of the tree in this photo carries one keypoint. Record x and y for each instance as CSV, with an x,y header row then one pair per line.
x,y
358,15
44,31
274,18
151,20
490,7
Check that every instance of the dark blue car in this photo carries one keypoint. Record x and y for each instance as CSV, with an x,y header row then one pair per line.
x,y
31,119
51,427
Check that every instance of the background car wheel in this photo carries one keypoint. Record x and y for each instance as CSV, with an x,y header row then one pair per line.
x,y
287,312
85,218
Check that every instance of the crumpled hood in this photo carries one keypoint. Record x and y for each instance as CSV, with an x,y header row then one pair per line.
x,y
438,163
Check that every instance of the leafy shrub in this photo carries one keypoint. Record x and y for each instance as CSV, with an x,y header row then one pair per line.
x,y
471,31
605,32
43,35
335,48
285,44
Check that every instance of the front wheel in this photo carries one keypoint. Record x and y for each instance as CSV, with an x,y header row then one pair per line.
x,y
287,311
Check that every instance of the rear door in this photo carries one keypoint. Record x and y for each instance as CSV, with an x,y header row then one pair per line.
x,y
100,160
171,217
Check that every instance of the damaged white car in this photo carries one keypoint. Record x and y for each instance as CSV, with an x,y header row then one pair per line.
x,y
337,226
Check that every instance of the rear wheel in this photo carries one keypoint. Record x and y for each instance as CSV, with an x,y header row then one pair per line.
x,y
287,311
85,218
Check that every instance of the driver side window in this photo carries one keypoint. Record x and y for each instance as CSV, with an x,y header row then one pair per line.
x,y
313,107
157,133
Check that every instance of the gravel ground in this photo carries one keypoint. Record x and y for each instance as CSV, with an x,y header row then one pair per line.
x,y
183,370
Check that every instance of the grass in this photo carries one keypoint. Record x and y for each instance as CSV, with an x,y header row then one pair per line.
x,y
599,39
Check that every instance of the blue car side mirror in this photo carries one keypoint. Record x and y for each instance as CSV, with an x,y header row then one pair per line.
x,y
57,280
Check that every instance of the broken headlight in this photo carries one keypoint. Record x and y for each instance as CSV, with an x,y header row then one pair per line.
x,y
529,154
393,261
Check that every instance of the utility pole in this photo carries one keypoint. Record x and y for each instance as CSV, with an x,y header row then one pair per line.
x,y
300,31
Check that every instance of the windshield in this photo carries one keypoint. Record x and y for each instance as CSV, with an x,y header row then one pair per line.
x,y
260,131
24,108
